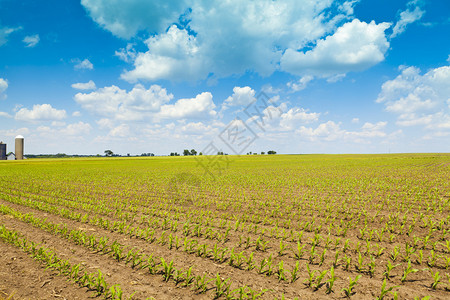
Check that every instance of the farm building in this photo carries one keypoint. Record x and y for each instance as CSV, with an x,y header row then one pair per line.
x,y
11,156
2,151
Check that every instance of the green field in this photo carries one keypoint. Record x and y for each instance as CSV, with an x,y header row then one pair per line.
x,y
258,226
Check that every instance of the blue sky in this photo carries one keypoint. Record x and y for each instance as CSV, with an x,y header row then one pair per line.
x,y
149,76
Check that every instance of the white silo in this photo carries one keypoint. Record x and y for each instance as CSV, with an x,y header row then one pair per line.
x,y
19,147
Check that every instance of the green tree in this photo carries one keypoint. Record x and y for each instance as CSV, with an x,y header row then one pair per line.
x,y
109,153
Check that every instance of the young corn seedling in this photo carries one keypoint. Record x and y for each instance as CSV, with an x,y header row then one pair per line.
x,y
371,266
322,257
188,277
389,268
348,261
385,291
309,282
294,275
395,253
178,276
282,248
318,282
336,259
222,286
330,281
298,254
201,283
360,266
436,280
349,290
167,269
250,263
407,271
280,272
241,293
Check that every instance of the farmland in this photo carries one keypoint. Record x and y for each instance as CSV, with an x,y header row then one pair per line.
x,y
283,226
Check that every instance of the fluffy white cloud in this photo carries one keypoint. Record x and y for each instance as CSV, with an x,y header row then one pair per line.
x,y
172,55
125,18
355,46
122,105
197,128
301,83
40,112
31,40
84,86
83,64
410,15
418,99
3,87
242,96
331,131
201,106
77,129
5,32
214,39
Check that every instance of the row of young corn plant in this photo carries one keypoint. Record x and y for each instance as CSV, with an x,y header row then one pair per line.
x,y
76,272
136,259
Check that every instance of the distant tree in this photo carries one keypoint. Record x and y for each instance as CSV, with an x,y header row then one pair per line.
x,y
220,153
262,153
109,153
128,154
271,152
186,152
193,152
200,153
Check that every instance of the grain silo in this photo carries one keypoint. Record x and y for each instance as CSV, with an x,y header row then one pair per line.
x,y
2,151
19,147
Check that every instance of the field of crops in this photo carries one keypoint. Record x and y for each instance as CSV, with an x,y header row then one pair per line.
x,y
269,227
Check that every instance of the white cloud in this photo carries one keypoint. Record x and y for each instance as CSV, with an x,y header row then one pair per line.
x,y
76,114
197,128
122,131
173,55
84,64
77,129
418,100
84,86
122,105
40,112
201,106
355,120
5,32
331,131
355,46
242,96
125,18
301,84
216,38
31,40
410,15
4,115
3,87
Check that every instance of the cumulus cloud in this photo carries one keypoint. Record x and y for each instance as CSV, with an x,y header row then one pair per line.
x,y
83,64
410,15
40,112
77,129
355,46
125,18
122,105
214,39
201,106
418,99
332,131
242,96
84,86
3,87
172,55
31,40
